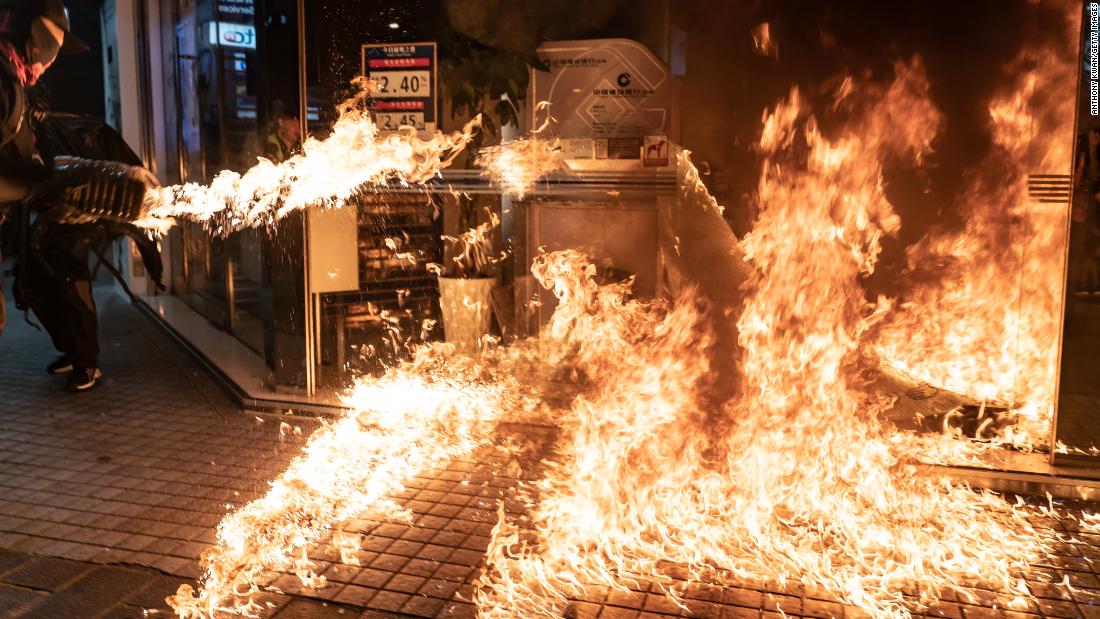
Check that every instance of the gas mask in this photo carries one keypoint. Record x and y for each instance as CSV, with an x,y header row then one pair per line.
x,y
44,42
43,45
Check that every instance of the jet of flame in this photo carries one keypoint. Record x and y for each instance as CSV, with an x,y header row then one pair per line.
x,y
517,165
326,173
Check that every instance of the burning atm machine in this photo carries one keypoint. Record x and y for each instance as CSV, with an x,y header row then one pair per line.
x,y
613,106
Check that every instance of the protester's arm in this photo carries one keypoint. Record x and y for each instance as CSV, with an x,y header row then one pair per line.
x,y
13,185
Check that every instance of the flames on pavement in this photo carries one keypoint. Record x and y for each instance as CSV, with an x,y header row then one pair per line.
x,y
415,418
799,478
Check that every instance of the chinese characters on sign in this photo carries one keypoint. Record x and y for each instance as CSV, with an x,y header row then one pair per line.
x,y
403,85
614,102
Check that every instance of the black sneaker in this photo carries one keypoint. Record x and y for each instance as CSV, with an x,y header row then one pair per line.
x,y
84,378
61,365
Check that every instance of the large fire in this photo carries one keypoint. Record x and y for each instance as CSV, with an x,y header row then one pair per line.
x,y
800,477
982,317
797,479
347,468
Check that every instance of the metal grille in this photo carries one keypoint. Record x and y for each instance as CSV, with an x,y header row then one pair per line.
x,y
397,254
1050,188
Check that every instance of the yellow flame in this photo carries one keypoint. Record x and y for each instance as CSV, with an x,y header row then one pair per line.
x,y
473,249
415,418
796,479
326,173
986,325
517,165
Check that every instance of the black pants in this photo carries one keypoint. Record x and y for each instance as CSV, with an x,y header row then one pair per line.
x,y
66,309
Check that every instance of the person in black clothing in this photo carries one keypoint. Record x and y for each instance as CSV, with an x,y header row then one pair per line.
x,y
58,280
43,193
32,33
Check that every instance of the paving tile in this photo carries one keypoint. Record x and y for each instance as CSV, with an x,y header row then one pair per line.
x,y
355,595
388,562
420,567
980,612
153,594
308,609
126,611
1052,608
747,598
370,577
13,599
628,599
405,548
437,588
9,561
44,573
702,608
451,571
618,612
466,557
342,573
98,588
418,606
388,600
655,602
405,583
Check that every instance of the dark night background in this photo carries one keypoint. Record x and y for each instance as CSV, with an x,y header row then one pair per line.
x,y
75,82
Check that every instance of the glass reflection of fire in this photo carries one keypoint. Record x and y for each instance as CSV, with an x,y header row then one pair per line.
x,y
810,474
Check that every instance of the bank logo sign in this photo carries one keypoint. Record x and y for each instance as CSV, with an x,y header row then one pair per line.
x,y
613,102
232,35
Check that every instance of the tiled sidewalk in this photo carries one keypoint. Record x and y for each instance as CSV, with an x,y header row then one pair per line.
x,y
108,498
138,470
49,587
35,587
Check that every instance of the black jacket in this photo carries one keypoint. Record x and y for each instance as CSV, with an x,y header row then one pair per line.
x,y
60,134
19,162
19,158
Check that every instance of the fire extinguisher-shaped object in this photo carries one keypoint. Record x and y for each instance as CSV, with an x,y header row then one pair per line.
x,y
93,190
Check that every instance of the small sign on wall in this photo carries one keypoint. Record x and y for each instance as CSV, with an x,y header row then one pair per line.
x,y
232,35
403,85
655,150
613,100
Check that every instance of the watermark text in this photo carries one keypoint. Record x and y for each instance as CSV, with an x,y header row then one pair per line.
x,y
1094,58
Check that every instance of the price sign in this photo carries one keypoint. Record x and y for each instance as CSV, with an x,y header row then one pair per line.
x,y
391,121
403,84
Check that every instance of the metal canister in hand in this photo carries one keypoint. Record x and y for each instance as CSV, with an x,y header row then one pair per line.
x,y
93,190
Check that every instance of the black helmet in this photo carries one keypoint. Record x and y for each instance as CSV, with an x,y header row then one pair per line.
x,y
18,16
